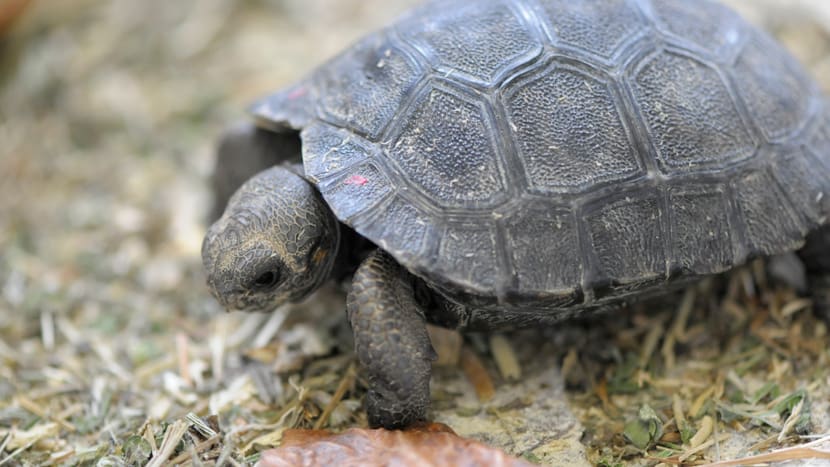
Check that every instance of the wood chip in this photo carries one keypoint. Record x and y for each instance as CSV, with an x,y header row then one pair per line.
x,y
270,328
477,374
707,425
447,344
795,306
183,357
677,409
505,357
699,401
650,344
47,330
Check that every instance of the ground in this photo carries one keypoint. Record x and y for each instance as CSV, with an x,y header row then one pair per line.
x,y
111,348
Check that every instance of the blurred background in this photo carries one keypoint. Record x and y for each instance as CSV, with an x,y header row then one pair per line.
x,y
109,111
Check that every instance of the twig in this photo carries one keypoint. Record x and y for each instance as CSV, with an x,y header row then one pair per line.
x,y
198,448
677,331
271,327
345,383
650,344
217,352
225,455
244,331
149,436
254,427
47,330
477,374
789,454
183,357
5,441
37,410
18,451
700,448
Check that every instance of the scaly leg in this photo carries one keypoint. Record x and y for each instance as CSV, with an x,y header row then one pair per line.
x,y
391,342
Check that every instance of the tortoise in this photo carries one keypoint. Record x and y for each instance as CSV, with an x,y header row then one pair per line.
x,y
491,164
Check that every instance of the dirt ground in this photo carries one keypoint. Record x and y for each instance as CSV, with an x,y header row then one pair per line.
x,y
110,341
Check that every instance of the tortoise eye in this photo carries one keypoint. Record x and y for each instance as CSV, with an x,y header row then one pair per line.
x,y
267,279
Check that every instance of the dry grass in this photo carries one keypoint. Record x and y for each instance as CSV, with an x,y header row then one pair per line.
x,y
113,353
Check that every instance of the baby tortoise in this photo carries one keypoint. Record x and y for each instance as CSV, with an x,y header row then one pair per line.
x,y
516,163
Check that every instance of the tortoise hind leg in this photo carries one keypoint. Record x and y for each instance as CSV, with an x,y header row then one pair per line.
x,y
391,342
816,257
245,150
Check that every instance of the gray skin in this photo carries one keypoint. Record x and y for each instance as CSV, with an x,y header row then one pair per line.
x,y
278,241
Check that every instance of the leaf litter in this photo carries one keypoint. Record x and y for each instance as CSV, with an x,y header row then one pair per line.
x,y
113,353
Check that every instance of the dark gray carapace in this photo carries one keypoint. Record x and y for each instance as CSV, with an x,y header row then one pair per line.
x,y
563,154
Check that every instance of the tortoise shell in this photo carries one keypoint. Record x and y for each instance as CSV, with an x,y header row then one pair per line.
x,y
565,153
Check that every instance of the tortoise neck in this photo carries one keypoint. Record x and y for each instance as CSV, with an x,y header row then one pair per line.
x,y
352,250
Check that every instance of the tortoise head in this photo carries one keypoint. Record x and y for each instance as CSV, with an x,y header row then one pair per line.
x,y
275,243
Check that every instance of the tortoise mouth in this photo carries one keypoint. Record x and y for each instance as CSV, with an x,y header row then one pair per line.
x,y
234,298
244,301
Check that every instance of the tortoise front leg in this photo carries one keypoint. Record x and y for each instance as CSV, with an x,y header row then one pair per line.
x,y
391,342
816,257
245,150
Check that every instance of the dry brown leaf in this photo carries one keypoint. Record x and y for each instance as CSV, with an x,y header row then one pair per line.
x,y
427,445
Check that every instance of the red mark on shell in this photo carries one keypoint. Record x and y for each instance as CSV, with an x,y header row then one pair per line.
x,y
297,93
358,180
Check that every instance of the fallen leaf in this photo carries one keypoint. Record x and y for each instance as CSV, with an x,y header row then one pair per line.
x,y
645,430
425,445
